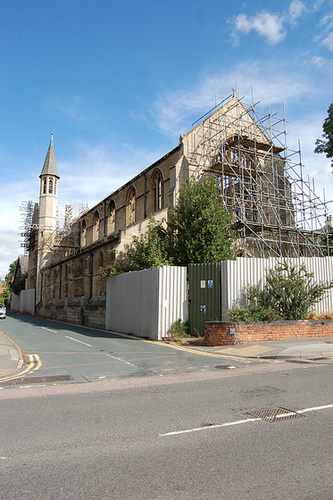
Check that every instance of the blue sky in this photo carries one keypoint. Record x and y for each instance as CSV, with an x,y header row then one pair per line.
x,y
118,82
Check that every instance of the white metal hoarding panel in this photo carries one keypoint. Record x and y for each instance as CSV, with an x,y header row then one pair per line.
x,y
24,302
237,275
173,303
146,303
132,300
28,302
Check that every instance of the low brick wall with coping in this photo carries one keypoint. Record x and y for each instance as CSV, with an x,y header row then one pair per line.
x,y
227,333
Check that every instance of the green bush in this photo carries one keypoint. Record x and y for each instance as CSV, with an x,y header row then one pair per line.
x,y
289,294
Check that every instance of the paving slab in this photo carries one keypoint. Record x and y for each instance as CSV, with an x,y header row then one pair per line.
x,y
304,348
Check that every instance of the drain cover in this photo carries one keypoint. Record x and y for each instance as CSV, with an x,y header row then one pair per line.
x,y
275,414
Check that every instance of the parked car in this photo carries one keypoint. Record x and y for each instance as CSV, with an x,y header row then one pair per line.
x,y
2,311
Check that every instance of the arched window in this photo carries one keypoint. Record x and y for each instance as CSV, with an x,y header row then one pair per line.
x,y
83,233
50,186
55,186
44,186
130,206
111,217
96,226
157,189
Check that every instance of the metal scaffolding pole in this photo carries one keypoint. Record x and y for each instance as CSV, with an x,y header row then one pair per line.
x,y
275,211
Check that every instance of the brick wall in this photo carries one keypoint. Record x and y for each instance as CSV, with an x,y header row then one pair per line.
x,y
225,333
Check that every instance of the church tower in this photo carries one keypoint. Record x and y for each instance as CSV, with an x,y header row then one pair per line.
x,y
48,194
48,198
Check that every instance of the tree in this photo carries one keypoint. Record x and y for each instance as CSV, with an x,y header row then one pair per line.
x,y
289,294
5,297
199,230
199,226
326,145
19,284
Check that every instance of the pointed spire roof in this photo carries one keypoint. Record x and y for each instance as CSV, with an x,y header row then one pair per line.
x,y
50,165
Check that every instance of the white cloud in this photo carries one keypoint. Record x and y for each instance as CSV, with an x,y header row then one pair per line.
x,y
328,41
296,9
318,61
327,20
326,37
268,25
9,250
173,111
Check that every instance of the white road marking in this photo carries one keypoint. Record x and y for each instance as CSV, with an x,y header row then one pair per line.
x,y
49,329
316,408
79,341
196,429
124,361
238,422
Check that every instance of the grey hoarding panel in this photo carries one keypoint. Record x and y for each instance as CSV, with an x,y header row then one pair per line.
x,y
146,303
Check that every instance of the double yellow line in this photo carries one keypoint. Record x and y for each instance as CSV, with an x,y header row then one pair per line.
x,y
209,354
33,363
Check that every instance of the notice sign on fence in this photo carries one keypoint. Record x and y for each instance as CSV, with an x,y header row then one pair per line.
x,y
202,284
210,283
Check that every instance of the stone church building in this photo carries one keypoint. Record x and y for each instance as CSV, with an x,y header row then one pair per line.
x,y
228,143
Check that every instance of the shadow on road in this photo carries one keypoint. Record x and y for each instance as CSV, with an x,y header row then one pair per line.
x,y
67,327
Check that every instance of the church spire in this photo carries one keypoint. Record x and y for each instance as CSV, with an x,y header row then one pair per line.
x,y
50,164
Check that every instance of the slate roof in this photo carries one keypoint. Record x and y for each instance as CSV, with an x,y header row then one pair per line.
x,y
23,261
50,164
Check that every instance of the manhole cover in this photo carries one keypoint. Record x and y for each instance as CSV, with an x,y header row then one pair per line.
x,y
275,414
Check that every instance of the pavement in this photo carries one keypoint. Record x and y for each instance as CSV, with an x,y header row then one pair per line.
x,y
11,356
307,349
310,349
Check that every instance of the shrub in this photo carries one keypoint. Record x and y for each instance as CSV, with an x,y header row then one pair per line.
x,y
178,329
145,252
289,294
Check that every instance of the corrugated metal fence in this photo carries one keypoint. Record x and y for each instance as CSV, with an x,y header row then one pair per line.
x,y
146,303
204,295
237,275
212,296
24,302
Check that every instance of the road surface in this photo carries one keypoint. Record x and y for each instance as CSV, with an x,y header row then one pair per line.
x,y
184,436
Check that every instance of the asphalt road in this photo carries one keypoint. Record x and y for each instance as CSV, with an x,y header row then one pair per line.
x,y
62,353
186,436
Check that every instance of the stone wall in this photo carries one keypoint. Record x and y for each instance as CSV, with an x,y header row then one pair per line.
x,y
225,333
78,311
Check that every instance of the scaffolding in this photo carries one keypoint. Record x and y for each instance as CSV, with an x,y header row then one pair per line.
x,y
66,236
26,216
275,210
